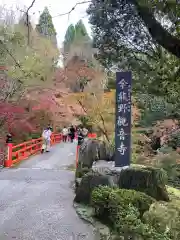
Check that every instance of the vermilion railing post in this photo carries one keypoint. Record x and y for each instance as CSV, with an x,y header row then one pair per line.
x,y
8,160
53,139
51,142
77,154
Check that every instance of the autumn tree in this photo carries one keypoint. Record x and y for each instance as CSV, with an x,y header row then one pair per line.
x,y
85,74
46,27
81,68
36,63
25,66
99,109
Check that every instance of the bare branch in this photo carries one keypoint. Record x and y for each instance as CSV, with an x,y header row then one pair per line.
x,y
102,129
31,5
73,8
27,16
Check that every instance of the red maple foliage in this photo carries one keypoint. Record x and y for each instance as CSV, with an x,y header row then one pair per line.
x,y
9,112
21,120
74,71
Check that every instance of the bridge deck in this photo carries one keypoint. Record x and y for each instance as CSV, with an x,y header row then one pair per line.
x,y
36,199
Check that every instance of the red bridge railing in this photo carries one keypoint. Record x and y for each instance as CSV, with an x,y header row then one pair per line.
x,y
17,153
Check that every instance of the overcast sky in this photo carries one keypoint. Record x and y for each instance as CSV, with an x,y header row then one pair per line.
x,y
55,7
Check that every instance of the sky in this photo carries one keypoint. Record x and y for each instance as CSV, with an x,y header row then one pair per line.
x,y
55,7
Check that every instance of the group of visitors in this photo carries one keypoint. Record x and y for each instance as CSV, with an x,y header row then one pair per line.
x,y
71,131
67,133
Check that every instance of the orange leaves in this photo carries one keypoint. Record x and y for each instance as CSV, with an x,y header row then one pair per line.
x,y
99,108
78,69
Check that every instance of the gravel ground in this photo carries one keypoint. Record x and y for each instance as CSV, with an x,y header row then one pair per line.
x,y
36,199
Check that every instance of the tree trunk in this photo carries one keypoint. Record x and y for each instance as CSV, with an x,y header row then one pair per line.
x,y
158,33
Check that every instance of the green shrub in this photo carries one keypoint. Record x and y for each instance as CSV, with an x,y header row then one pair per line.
x,y
152,109
121,210
103,198
165,149
130,226
100,201
174,141
165,217
168,163
138,199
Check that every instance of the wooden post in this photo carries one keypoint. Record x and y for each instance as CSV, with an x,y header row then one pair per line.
x,y
8,160
77,154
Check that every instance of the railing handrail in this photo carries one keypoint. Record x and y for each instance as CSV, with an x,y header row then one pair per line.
x,y
31,147
33,140
25,143
27,148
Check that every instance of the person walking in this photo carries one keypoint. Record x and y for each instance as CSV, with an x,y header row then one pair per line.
x,y
72,133
85,131
65,134
46,135
80,136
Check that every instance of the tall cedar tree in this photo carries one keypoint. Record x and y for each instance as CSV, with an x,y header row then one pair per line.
x,y
69,37
75,33
76,41
46,27
80,31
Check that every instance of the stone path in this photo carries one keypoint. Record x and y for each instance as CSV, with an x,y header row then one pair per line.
x,y
36,199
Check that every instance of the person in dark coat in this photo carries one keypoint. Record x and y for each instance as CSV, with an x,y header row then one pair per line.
x,y
72,133
80,136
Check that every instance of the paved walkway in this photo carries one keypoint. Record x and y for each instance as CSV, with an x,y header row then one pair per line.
x,y
36,199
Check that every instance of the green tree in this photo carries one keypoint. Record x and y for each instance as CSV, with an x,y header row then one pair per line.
x,y
81,31
45,26
77,43
138,23
125,43
28,64
69,37
75,34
